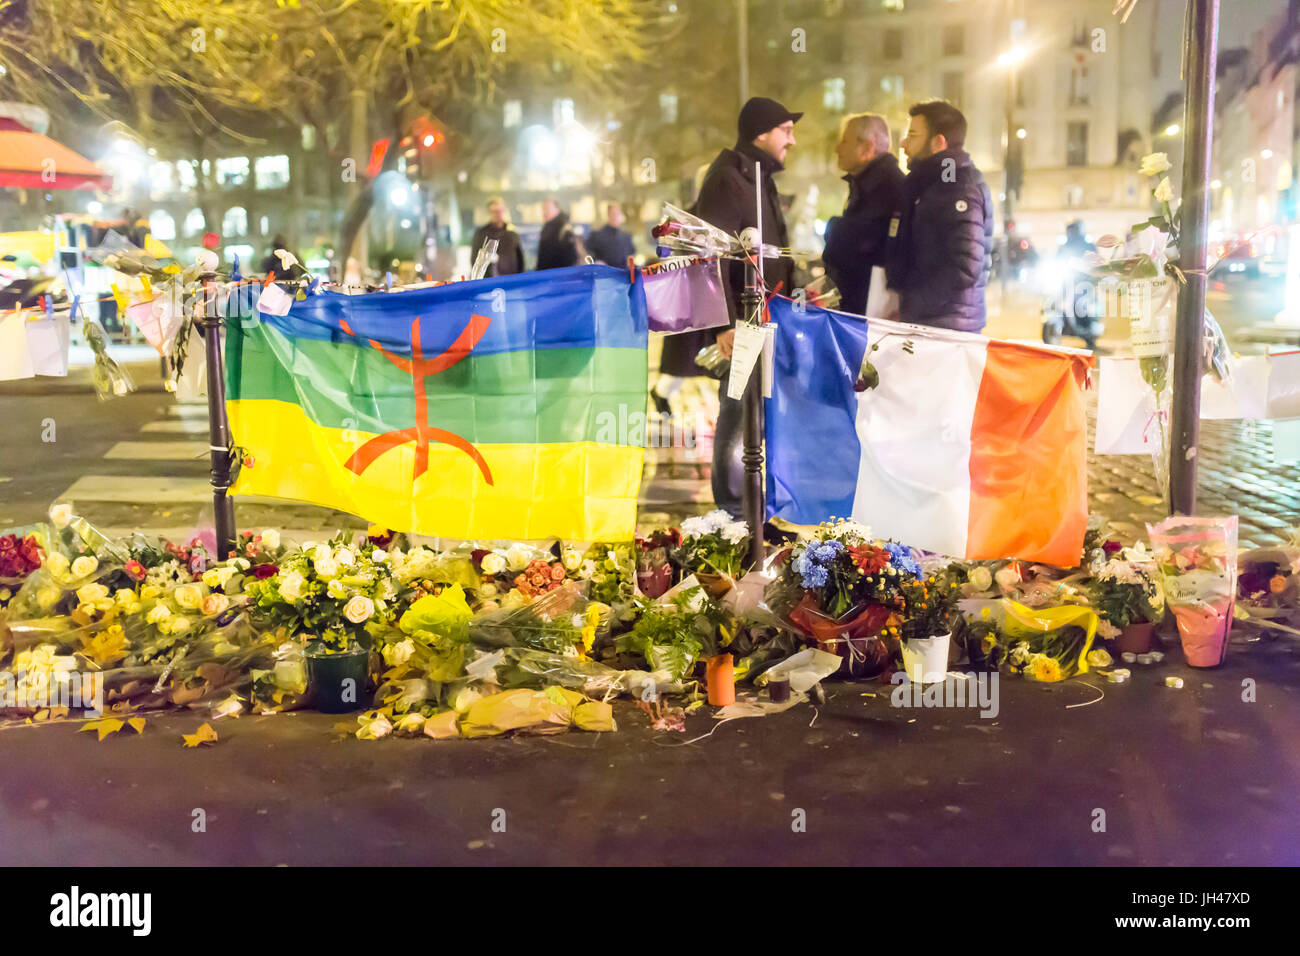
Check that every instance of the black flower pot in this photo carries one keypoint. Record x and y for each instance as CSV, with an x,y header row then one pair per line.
x,y
337,682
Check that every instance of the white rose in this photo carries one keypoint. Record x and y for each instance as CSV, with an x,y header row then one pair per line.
x,y
981,578
211,578
359,609
180,623
189,596
48,596
1153,164
84,565
345,557
327,568
215,604
493,563
488,590
379,556
90,593
518,556
322,552
1165,191
61,514
124,596
336,590
1007,577
270,539
397,654
572,560
158,613
291,585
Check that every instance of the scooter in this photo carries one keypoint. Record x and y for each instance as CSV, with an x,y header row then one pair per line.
x,y
1071,308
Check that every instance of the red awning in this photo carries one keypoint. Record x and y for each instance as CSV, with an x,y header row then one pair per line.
x,y
32,161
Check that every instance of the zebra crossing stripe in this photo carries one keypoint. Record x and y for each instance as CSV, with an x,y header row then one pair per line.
x,y
180,426
158,450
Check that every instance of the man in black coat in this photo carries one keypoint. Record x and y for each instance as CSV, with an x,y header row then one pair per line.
x,y
727,200
858,240
610,244
510,250
942,252
559,245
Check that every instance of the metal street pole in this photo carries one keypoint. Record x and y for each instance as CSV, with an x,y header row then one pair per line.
x,y
1200,56
223,509
742,7
1009,101
751,411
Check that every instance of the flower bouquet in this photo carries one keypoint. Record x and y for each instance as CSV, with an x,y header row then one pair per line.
x,y
839,590
609,570
654,569
928,615
1129,601
1197,558
19,557
713,548
1268,587
1042,644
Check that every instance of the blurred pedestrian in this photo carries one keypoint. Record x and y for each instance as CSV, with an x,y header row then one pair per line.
x,y
272,262
858,240
941,255
558,246
728,195
610,244
510,249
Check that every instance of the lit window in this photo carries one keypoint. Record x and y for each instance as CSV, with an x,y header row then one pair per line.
x,y
266,225
161,181
194,222
562,112
892,4
185,175
514,113
234,222
271,172
668,107
232,170
308,137
833,93
892,86
162,225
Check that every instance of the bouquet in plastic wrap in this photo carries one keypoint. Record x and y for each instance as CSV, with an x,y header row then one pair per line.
x,y
1197,558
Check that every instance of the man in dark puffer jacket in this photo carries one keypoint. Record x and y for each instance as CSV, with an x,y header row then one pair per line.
x,y
944,239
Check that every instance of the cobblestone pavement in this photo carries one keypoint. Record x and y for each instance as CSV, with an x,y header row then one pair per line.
x,y
1236,474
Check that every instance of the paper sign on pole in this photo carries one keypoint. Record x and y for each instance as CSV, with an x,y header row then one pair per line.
x,y
47,343
747,347
769,352
15,360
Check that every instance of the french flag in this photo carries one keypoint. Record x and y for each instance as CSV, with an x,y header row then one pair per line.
x,y
969,446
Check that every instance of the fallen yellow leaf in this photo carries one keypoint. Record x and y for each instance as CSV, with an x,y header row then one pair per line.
x,y
105,726
204,735
137,724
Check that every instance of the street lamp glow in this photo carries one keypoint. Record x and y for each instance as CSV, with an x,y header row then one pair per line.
x,y
94,207
1172,129
1216,184
1265,154
1013,57
398,196
429,139
1021,133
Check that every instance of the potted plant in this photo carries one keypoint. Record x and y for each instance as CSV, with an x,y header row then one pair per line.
x,y
1197,558
840,590
713,549
334,597
930,605
1129,602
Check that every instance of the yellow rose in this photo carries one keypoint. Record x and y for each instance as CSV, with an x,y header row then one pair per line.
x,y
189,596
180,623
48,596
1165,191
1153,164
149,592
215,604
211,578
91,593
84,565
56,563
158,613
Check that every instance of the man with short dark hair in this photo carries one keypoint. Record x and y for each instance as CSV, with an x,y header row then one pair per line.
x,y
510,249
857,241
610,244
558,246
943,242
728,196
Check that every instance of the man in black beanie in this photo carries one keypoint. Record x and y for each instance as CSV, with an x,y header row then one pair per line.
x,y
727,200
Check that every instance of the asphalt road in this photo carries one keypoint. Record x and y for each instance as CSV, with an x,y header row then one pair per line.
x,y
1149,775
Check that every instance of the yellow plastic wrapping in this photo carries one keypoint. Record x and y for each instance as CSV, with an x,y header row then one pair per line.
x,y
1033,624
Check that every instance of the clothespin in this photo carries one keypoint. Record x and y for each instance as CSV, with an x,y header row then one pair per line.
x,y
117,295
767,307
72,310
631,270
388,281
148,286
234,267
47,303
311,286
270,277
428,277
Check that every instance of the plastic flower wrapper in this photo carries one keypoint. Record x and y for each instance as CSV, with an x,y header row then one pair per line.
x,y
610,569
443,567
713,548
1047,644
109,378
1197,558
687,234
1268,586
554,622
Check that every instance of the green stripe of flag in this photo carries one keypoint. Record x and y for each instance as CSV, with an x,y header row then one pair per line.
x,y
548,395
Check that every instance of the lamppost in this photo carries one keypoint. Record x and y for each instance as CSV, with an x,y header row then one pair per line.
x,y
1008,61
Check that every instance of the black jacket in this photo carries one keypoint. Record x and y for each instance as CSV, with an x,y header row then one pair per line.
x,y
727,201
557,246
859,240
609,245
510,250
941,257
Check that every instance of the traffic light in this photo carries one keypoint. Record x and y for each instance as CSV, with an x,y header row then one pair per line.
x,y
424,148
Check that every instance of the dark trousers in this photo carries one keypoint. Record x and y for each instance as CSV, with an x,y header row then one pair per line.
x,y
728,443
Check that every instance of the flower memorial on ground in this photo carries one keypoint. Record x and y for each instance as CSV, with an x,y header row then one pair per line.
x,y
479,640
